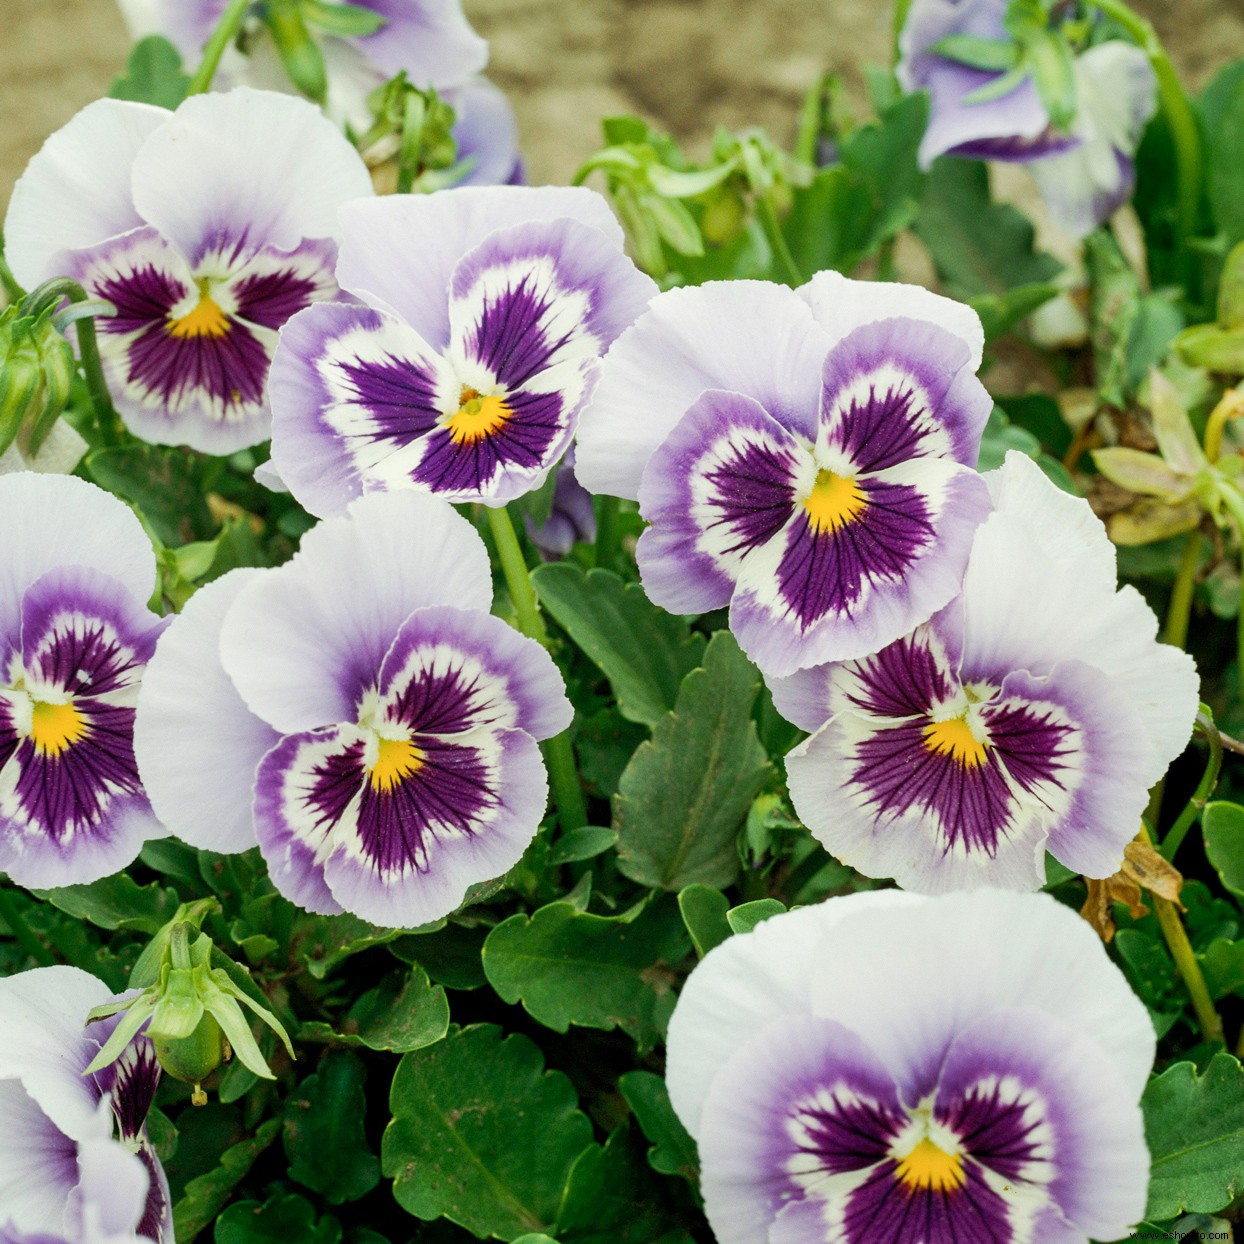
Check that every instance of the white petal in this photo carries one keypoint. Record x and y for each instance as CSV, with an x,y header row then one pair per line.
x,y
76,191
109,1201
38,1166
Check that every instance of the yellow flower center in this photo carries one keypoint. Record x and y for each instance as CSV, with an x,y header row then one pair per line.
x,y
834,501
928,1168
55,727
206,320
954,738
396,760
477,416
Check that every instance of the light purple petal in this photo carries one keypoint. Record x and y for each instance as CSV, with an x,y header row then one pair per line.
x,y
430,39
38,1165
196,743
304,642
486,132
748,337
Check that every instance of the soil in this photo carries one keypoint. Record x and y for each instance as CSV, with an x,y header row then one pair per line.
x,y
686,65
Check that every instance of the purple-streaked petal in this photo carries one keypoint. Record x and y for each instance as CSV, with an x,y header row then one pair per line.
x,y
399,252
196,743
721,486
430,39
486,133
38,1165
804,1111
572,518
841,305
209,187
748,337
900,389
350,387
76,191
1025,951
451,670
53,520
747,983
1044,1108
276,284
304,642
889,555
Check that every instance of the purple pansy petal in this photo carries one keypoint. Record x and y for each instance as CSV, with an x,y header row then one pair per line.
x,y
841,305
196,743
38,1163
747,983
51,520
430,39
276,284
1040,1104
303,642
802,1112
399,252
486,133
349,388
110,1203
207,185
721,485
803,697
572,518
900,389
450,671
187,24
76,191
1027,951
817,594
748,337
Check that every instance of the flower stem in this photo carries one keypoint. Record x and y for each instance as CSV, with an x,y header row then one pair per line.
x,y
21,931
226,30
1179,611
1209,779
773,232
558,751
607,532
1179,115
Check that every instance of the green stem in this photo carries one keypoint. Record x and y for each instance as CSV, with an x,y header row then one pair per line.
x,y
558,751
1179,115
18,927
225,32
607,529
1179,611
8,282
107,420
1200,797
773,231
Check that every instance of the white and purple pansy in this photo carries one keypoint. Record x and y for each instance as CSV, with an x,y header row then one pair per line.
x,y
360,713
207,229
1084,171
76,1164
486,311
1032,714
804,457
76,571
988,1094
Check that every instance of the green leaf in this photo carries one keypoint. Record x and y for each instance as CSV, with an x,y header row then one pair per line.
x,y
1000,437
1002,312
704,913
334,939
205,1196
117,902
482,1134
744,918
585,843
153,74
450,956
592,971
1194,1126
1222,827
162,482
673,1151
1223,111
324,1137
993,54
1222,962
978,246
687,790
642,650
404,1012
279,1220
1148,967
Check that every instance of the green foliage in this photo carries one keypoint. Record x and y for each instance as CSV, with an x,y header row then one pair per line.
x,y
673,1151
568,967
1194,1126
404,1012
482,1134
1222,825
153,74
1222,115
117,902
281,1219
704,911
642,650
207,1195
686,792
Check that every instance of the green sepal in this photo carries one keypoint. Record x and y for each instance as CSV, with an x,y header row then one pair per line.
x,y
349,21
996,55
299,52
137,1015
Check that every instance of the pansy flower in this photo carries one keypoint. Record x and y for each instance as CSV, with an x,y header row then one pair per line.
x,y
486,310
76,571
1084,171
360,713
804,457
1032,714
887,1069
207,229
76,1164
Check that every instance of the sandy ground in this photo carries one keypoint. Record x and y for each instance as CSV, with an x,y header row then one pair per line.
x,y
688,65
